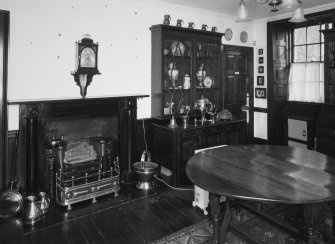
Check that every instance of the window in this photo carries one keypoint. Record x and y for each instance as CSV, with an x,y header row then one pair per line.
x,y
306,72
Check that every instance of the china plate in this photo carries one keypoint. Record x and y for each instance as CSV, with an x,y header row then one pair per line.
x,y
208,82
177,48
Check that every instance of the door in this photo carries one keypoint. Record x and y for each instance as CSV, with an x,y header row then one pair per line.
x,y
238,82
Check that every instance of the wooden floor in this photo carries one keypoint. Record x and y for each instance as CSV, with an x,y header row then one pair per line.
x,y
133,217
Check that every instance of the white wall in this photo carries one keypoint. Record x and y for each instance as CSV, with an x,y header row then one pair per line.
x,y
260,38
42,45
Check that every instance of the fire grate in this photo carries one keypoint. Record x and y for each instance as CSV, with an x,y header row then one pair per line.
x,y
76,188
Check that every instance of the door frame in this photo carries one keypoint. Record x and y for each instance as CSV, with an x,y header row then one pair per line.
x,y
4,40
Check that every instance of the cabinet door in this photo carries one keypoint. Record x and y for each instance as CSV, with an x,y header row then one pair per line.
x,y
232,134
177,76
207,78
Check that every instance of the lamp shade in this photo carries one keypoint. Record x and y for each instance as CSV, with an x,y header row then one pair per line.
x,y
290,4
242,12
298,15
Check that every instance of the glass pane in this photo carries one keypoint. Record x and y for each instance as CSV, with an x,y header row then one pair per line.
x,y
313,34
313,53
300,54
300,36
322,52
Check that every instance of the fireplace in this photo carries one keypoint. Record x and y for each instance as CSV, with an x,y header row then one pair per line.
x,y
81,123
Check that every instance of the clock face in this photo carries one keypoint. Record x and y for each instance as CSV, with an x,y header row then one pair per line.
x,y
87,58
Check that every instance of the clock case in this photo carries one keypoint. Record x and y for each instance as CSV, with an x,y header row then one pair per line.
x,y
83,75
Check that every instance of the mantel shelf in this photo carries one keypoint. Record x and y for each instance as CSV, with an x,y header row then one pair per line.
x,y
75,99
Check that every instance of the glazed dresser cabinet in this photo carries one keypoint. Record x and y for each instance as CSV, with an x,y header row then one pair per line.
x,y
187,68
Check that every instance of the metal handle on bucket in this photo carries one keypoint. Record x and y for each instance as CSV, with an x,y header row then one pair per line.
x,y
145,158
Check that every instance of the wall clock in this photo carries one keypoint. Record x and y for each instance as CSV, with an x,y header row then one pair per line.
x,y
86,63
244,36
228,34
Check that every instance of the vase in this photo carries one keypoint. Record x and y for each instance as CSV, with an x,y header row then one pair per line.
x,y
187,82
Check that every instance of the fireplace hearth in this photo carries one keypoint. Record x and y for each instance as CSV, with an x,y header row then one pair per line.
x,y
74,151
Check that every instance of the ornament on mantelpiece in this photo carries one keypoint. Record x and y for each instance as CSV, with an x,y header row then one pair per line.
x,y
86,63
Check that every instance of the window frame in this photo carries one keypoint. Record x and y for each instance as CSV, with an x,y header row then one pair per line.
x,y
321,43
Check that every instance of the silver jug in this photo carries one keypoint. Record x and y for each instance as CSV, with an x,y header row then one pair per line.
x,y
43,202
32,211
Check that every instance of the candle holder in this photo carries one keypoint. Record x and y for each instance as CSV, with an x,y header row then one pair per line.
x,y
185,121
173,123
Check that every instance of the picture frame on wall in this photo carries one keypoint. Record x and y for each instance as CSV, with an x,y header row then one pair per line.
x,y
260,51
260,60
260,93
261,69
260,80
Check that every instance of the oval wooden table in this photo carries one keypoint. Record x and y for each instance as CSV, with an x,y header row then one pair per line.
x,y
264,173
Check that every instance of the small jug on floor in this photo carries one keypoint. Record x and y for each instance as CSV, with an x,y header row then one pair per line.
x,y
43,202
32,211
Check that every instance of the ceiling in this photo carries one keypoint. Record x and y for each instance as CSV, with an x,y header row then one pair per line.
x,y
256,11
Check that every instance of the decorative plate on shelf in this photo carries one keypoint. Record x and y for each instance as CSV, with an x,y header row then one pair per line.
x,y
208,82
244,36
177,48
228,34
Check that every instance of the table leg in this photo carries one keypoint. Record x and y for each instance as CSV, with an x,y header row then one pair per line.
x,y
332,207
311,213
215,211
226,221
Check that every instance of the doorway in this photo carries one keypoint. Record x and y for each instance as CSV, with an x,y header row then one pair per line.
x,y
238,82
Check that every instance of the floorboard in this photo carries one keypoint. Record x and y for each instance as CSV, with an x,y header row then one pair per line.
x,y
135,216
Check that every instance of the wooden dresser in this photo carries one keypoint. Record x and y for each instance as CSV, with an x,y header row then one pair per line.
x,y
174,147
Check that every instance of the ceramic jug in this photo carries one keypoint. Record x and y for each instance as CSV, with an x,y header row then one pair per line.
x,y
32,211
180,23
167,19
43,202
191,25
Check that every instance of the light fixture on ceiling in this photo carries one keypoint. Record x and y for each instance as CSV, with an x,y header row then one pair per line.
x,y
297,16
242,12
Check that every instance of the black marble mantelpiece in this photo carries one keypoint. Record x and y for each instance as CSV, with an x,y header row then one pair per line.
x,y
34,115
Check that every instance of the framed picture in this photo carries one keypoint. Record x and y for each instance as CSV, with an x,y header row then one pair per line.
x,y
260,51
260,92
261,69
260,80
260,60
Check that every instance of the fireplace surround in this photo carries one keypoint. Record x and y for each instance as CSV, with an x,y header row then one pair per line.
x,y
112,117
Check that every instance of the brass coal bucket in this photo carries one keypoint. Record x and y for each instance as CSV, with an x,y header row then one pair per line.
x,y
145,170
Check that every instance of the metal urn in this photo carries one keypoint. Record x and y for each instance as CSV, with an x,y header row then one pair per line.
x,y
202,104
